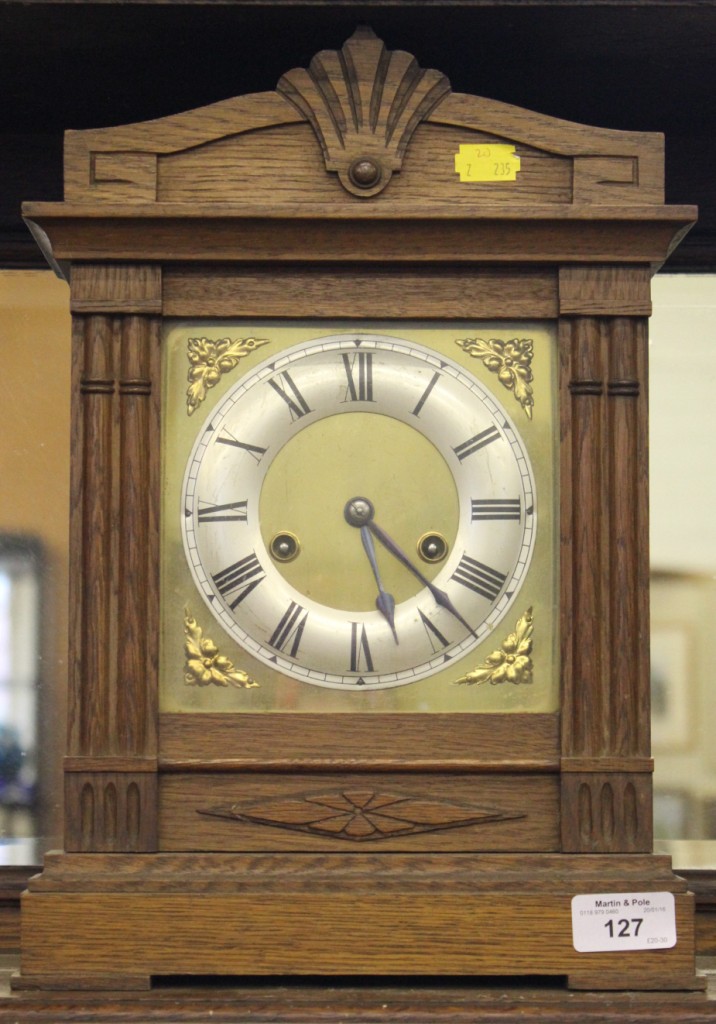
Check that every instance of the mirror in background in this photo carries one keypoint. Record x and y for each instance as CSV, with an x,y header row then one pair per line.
x,y
20,666
682,383
34,506
34,502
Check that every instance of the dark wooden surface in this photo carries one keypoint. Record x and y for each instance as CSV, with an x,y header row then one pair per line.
x,y
643,66
283,1001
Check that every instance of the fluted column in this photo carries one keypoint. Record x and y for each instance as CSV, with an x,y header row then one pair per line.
x,y
111,780
606,768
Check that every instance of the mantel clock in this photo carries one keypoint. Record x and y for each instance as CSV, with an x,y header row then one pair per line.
x,y
359,654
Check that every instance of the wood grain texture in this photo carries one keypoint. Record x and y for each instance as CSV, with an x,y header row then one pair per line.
x,y
353,291
135,180
605,576
341,812
390,934
115,573
605,291
429,167
630,167
419,742
604,517
219,914
115,530
115,288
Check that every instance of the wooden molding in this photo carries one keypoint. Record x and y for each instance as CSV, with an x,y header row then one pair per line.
x,y
449,234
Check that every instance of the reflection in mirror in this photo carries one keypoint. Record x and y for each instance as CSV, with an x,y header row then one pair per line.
x,y
682,382
20,664
34,503
34,500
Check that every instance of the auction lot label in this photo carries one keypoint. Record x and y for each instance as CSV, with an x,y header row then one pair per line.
x,y
605,922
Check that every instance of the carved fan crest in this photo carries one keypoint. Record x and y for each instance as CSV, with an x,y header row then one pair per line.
x,y
364,103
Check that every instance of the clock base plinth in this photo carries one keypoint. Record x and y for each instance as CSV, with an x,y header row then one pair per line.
x,y
114,920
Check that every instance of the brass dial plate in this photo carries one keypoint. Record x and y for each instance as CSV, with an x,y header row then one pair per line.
x,y
407,418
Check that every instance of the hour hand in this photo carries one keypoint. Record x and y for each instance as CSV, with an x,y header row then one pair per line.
x,y
384,602
357,513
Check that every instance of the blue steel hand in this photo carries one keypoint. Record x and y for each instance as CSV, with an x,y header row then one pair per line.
x,y
360,512
384,602
441,598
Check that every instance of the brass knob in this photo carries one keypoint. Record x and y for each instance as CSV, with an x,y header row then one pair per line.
x,y
364,172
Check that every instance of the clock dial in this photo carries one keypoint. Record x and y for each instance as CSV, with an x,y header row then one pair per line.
x,y
357,511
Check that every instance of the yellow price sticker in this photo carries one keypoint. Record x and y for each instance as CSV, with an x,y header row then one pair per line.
x,y
487,162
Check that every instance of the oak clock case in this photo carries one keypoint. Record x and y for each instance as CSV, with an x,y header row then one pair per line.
x,y
359,518
359,646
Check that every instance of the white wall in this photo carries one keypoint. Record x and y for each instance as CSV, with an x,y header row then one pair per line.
x,y
683,423
683,547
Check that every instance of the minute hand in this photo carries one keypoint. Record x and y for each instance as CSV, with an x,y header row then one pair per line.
x,y
440,596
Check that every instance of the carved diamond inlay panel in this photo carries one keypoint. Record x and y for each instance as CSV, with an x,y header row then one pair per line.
x,y
361,814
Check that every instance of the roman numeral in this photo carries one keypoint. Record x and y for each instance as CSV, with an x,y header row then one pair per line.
x,y
473,444
495,508
359,648
290,628
359,371
426,394
478,577
254,450
295,401
241,578
435,638
233,512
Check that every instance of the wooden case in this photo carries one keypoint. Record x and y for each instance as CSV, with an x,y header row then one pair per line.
x,y
336,196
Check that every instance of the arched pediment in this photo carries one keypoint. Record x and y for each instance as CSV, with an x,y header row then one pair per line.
x,y
359,124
